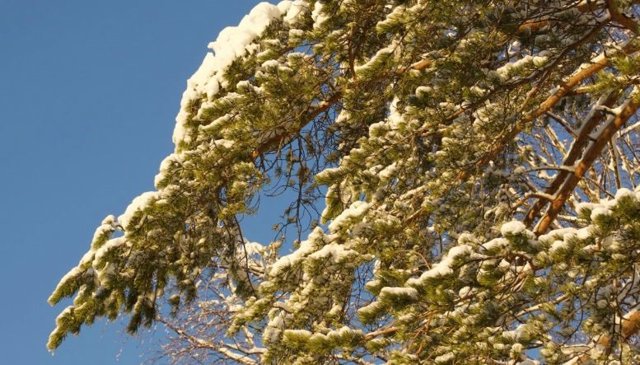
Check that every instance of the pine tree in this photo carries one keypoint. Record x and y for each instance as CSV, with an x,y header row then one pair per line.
x,y
461,178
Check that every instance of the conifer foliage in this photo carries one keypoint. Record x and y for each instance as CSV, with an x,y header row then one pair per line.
x,y
461,178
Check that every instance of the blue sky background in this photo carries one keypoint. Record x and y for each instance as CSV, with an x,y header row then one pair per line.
x,y
88,95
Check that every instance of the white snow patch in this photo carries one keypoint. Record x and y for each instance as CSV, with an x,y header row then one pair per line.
x,y
382,54
584,207
622,193
560,233
137,204
558,245
443,267
600,211
317,15
356,210
270,64
496,243
512,228
296,9
108,225
334,252
232,43
402,292
443,359
106,248
583,233
165,166
307,247
506,71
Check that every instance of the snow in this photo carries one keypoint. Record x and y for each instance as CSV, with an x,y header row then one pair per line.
x,y
231,43
444,359
443,267
253,248
380,56
343,117
295,10
600,211
560,233
165,165
388,172
317,15
306,248
624,193
225,143
303,334
558,245
86,259
390,292
462,293
370,310
103,231
584,207
356,210
270,64
512,228
334,252
495,244
514,48
614,111
506,71
216,124
335,336
138,204
478,91
629,128
395,117
274,328
72,274
423,91
394,17
106,248
517,334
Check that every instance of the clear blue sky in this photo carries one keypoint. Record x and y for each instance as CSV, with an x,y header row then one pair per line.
x,y
88,95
